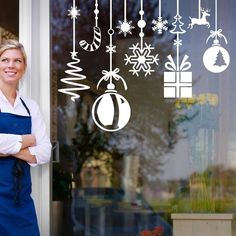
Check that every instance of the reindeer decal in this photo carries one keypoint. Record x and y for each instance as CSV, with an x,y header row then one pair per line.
x,y
201,20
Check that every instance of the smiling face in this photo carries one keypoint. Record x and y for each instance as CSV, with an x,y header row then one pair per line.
x,y
12,66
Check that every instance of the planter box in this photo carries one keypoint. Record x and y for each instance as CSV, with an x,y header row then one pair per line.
x,y
204,224
57,217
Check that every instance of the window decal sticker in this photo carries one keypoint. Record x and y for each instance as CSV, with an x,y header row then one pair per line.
x,y
141,58
202,17
216,59
177,81
111,111
125,26
97,36
160,24
74,70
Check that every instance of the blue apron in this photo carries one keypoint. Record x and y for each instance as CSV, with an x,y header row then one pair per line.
x,y
17,211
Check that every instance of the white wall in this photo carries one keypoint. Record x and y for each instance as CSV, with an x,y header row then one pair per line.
x,y
34,34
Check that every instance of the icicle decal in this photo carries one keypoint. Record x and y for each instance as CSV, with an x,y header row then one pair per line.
x,y
177,81
97,36
141,58
160,25
202,17
111,111
125,26
75,70
216,59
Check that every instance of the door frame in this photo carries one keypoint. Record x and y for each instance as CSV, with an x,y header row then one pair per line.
x,y
34,33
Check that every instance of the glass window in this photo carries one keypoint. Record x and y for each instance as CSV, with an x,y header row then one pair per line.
x,y
174,155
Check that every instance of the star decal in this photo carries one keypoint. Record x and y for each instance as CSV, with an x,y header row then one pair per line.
x,y
160,25
141,59
125,27
73,54
111,49
74,12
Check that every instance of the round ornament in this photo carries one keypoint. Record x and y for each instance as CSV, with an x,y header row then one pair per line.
x,y
216,59
111,111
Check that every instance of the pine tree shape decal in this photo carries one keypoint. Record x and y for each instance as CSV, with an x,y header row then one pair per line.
x,y
220,61
74,77
74,70
178,25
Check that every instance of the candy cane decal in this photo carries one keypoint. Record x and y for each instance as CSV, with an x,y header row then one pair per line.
x,y
96,41
97,36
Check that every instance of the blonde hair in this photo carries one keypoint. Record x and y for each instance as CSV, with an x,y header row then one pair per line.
x,y
13,44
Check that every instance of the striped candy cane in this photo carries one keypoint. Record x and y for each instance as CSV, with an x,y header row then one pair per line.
x,y
97,36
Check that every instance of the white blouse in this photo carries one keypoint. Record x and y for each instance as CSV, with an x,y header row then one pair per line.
x,y
11,143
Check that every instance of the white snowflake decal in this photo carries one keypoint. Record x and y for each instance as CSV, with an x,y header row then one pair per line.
x,y
125,27
74,12
160,25
141,59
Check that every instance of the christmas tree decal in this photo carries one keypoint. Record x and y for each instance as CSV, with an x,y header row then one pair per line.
x,y
178,25
74,70
220,61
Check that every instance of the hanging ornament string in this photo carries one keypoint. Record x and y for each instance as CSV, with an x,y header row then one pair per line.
x,y
111,111
159,8
141,58
216,59
111,74
125,26
218,32
97,36
74,70
177,81
201,20
160,25
125,10
199,9
178,30
141,24
111,49
216,15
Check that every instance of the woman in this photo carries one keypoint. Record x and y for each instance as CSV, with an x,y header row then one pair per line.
x,y
23,143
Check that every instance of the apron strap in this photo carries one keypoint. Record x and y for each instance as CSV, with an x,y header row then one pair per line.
x,y
27,109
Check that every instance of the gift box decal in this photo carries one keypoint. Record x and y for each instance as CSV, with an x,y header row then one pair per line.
x,y
177,81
